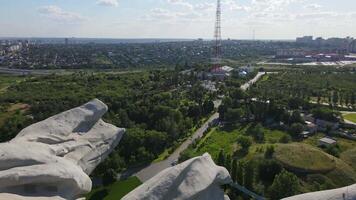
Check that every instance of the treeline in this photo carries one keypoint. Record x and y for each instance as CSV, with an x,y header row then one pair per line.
x,y
332,87
264,176
157,108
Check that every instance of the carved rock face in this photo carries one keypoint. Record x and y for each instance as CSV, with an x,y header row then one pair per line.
x,y
54,157
345,193
198,178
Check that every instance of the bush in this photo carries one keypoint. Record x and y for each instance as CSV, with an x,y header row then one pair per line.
x,y
284,184
109,177
333,150
285,139
268,169
245,143
269,152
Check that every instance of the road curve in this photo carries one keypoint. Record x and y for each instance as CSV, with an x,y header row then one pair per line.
x,y
154,168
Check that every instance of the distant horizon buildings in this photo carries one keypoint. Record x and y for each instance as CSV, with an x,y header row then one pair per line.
x,y
347,44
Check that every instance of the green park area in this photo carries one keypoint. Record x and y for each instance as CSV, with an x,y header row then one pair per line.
x,y
114,191
350,117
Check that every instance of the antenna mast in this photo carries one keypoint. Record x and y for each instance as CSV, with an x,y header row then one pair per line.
x,y
217,35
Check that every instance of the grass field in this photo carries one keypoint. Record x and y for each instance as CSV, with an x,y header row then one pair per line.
x,y
115,191
304,158
227,140
349,157
351,117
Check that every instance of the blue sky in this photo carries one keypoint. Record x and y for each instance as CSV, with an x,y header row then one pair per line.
x,y
271,19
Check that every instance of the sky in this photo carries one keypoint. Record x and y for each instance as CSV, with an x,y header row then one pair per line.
x,y
269,19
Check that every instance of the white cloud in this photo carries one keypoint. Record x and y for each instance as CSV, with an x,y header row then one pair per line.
x,y
181,3
110,3
313,6
56,13
234,6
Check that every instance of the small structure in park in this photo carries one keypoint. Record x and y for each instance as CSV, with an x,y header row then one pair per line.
x,y
327,142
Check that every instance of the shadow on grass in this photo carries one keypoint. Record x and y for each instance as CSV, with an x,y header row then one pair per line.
x,y
99,195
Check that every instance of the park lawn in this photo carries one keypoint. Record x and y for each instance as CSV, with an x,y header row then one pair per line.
x,y
351,117
349,157
213,142
115,191
217,139
303,157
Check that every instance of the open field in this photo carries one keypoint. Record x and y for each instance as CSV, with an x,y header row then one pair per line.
x,y
349,157
227,140
115,191
304,158
308,160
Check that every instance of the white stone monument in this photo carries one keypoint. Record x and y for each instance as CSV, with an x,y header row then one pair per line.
x,y
53,158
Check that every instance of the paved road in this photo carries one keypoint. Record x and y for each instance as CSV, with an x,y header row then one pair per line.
x,y
5,70
154,168
253,81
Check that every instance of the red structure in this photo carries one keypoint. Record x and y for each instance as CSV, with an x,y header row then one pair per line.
x,y
217,35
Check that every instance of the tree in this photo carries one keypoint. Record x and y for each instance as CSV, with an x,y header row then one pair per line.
x,y
296,129
268,169
335,97
234,168
233,114
227,164
269,152
284,184
257,133
240,172
249,175
208,106
285,139
245,143
333,150
109,177
296,117
221,158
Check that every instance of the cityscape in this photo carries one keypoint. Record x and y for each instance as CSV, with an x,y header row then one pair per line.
x,y
142,104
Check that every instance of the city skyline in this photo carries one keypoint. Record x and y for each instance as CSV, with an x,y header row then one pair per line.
x,y
269,19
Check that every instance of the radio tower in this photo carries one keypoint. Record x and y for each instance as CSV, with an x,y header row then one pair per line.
x,y
217,35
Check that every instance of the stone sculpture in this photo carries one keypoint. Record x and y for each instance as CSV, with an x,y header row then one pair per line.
x,y
53,158
198,178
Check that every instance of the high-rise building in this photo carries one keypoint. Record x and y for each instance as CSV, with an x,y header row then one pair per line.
x,y
305,40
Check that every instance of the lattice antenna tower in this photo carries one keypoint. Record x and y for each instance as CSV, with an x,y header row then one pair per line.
x,y
217,36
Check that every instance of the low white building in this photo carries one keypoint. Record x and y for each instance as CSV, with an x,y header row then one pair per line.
x,y
327,142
